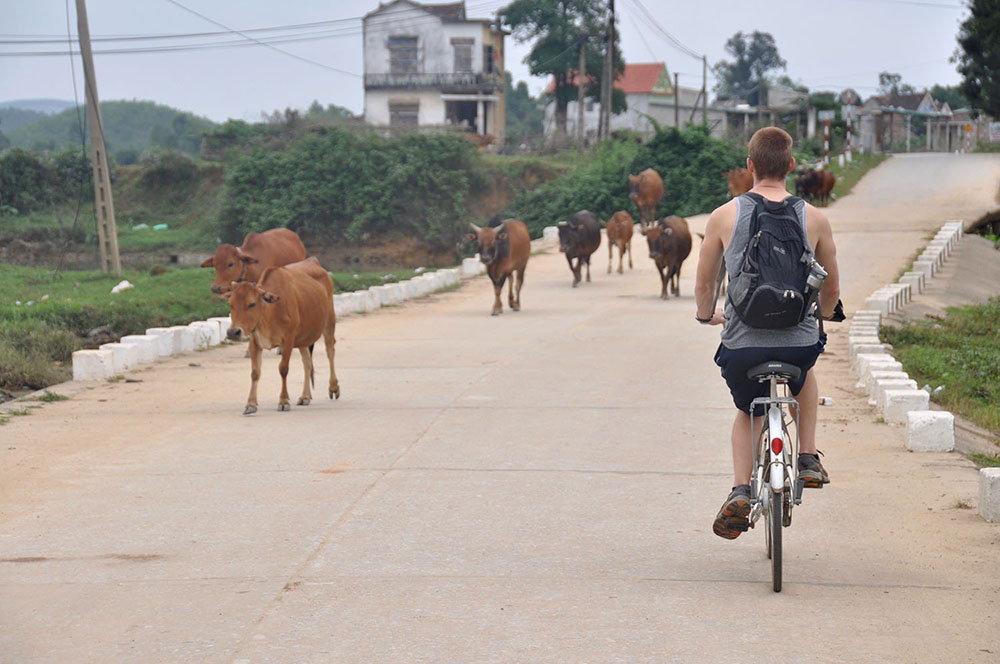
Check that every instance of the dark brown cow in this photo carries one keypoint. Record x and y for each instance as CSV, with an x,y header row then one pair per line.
x,y
646,190
579,237
504,250
669,245
259,251
815,186
740,181
620,229
289,307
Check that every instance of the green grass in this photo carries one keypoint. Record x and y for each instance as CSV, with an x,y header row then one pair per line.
x,y
51,397
985,460
961,352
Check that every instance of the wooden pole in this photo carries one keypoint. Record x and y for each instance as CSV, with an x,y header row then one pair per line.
x,y
677,102
104,205
581,77
607,82
704,90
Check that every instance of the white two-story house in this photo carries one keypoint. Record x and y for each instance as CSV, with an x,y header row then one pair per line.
x,y
430,65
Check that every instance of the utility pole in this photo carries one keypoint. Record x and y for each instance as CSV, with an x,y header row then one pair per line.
x,y
677,103
607,82
704,90
104,205
581,77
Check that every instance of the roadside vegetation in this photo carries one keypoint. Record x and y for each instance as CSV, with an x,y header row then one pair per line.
x,y
960,352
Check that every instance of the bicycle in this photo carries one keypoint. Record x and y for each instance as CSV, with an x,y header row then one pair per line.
x,y
775,486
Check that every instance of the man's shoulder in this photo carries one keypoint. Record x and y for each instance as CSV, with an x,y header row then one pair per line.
x,y
727,209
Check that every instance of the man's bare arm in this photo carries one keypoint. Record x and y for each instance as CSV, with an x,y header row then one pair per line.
x,y
826,255
709,262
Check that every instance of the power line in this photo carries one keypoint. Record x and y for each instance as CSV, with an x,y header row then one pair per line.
x,y
673,40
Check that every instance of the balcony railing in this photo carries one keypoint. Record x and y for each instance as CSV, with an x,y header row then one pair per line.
x,y
462,82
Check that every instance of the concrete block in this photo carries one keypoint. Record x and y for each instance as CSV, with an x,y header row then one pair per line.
x,y
124,357
879,302
93,364
884,385
989,494
861,361
165,340
470,267
223,323
550,234
384,294
900,402
920,276
927,267
914,281
866,313
930,431
183,338
855,342
862,331
870,348
206,334
339,305
876,373
940,246
145,345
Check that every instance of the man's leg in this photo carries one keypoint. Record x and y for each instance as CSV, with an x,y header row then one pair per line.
x,y
742,449
810,468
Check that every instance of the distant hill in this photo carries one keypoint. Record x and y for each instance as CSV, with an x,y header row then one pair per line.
x,y
129,126
44,106
12,118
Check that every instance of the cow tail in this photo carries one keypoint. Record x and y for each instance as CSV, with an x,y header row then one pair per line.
x,y
312,373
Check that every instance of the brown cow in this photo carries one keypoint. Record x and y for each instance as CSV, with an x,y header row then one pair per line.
x,y
579,237
259,251
815,186
504,250
620,229
290,307
646,190
740,181
669,245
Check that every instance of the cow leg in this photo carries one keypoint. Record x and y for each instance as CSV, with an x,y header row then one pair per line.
x,y
330,340
611,254
675,283
628,245
588,269
254,350
307,365
497,289
663,282
574,269
511,302
621,257
284,403
516,305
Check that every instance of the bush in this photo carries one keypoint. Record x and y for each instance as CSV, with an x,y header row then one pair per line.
x,y
163,168
72,175
24,180
690,161
31,353
342,184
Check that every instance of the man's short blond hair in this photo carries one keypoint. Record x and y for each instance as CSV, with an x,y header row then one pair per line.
x,y
770,150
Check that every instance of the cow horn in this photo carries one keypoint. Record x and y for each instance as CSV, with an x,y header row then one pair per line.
x,y
474,227
562,224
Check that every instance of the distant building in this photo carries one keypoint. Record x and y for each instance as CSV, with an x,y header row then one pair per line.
x,y
428,65
649,94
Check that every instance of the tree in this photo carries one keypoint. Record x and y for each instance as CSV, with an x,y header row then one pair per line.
x,y
951,94
745,77
978,56
892,84
556,26
525,117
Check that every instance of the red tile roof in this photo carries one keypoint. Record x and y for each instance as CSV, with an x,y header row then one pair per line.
x,y
639,78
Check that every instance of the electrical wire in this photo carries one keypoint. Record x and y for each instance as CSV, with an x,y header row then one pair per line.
x,y
673,40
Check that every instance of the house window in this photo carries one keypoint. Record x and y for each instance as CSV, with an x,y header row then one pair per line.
x,y
488,54
403,55
463,54
403,114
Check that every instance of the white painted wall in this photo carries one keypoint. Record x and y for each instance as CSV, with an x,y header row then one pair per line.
x,y
377,105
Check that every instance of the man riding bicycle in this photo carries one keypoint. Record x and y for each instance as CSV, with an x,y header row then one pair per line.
x,y
727,237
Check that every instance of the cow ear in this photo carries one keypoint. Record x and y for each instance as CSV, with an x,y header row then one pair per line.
x,y
642,229
668,231
471,237
246,258
270,298
502,234
209,262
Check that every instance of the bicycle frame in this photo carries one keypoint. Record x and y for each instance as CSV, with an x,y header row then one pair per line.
x,y
775,450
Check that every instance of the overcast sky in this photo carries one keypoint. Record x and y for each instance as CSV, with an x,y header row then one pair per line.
x,y
828,45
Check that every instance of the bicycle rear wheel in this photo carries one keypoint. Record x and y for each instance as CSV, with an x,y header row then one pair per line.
x,y
774,522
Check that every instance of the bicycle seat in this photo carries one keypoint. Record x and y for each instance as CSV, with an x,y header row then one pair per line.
x,y
782,370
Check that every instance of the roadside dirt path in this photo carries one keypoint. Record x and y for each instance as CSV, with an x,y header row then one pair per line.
x,y
537,487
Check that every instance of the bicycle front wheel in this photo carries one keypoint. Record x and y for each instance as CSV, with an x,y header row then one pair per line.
x,y
774,522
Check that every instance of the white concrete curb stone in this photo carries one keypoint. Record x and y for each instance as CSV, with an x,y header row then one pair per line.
x,y
930,431
223,323
93,364
885,385
876,373
900,402
989,494
146,345
183,338
206,334
124,357
550,234
165,340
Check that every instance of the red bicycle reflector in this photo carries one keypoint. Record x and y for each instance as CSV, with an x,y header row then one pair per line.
x,y
776,445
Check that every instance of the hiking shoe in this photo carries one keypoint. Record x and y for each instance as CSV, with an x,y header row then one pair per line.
x,y
732,518
811,472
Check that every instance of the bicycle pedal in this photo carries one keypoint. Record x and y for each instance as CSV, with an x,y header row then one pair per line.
x,y
812,484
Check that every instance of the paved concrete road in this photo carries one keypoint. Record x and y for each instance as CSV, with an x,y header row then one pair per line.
x,y
537,487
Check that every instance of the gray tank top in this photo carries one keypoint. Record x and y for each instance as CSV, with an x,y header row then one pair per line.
x,y
736,333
